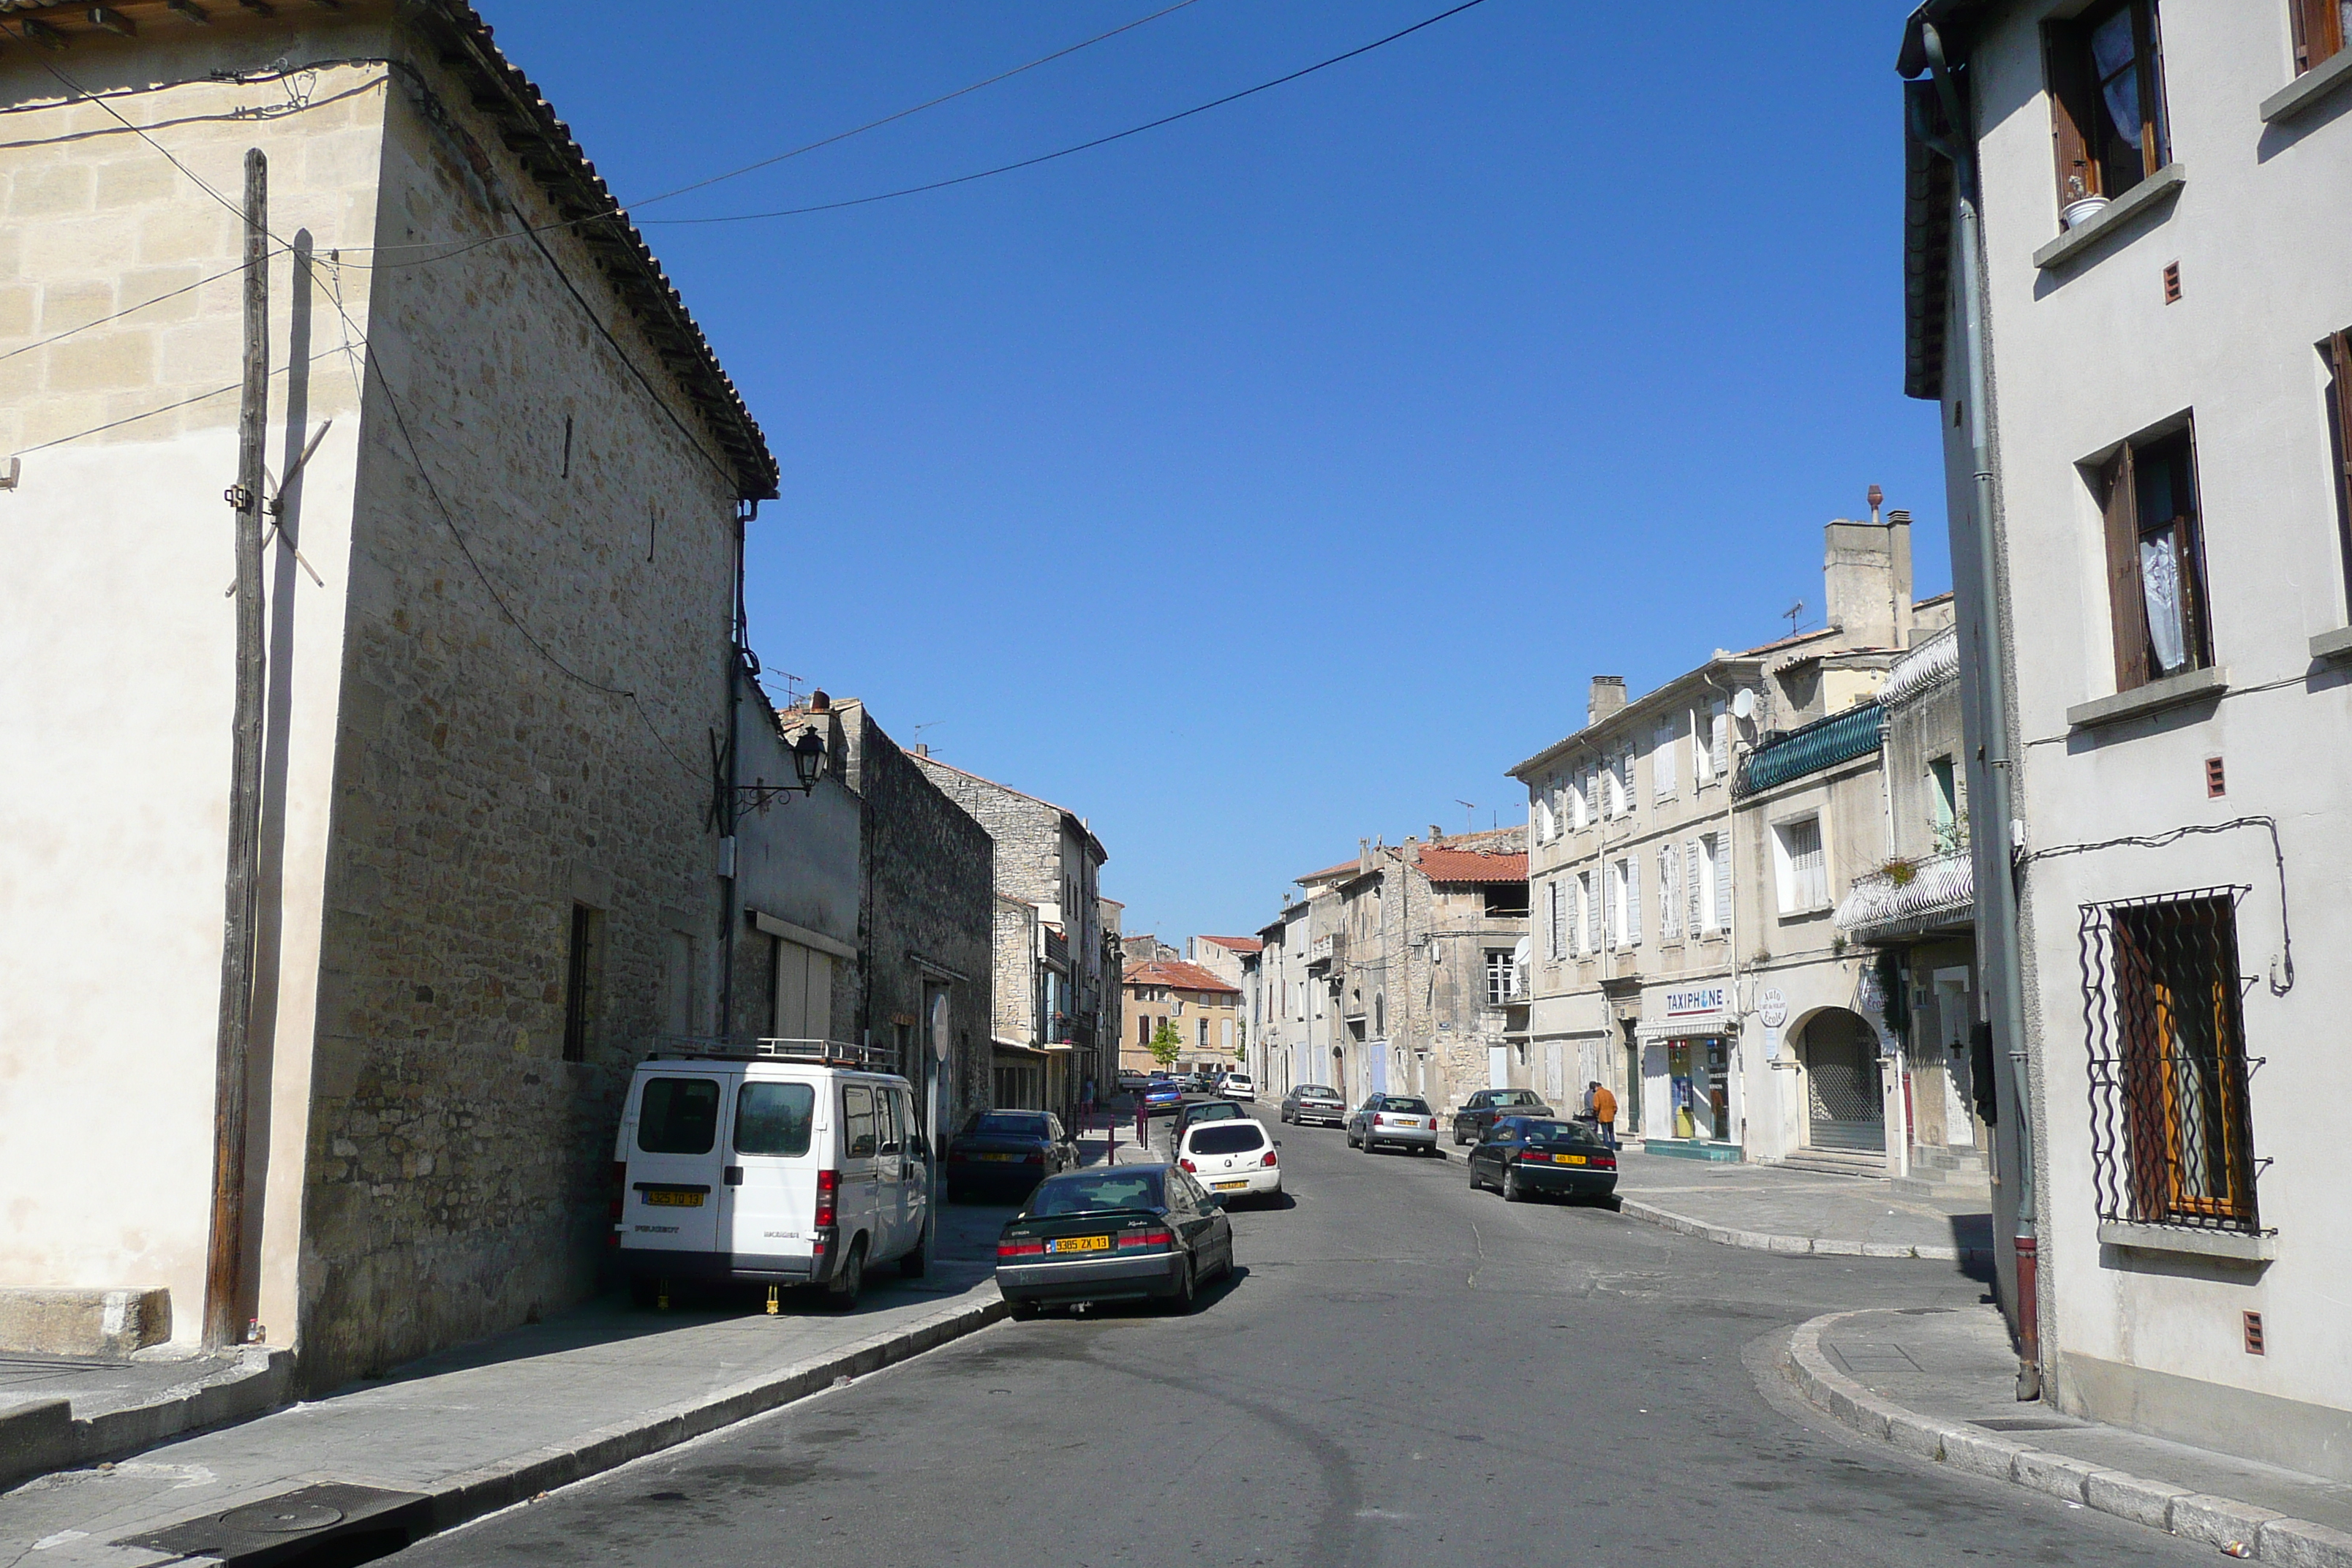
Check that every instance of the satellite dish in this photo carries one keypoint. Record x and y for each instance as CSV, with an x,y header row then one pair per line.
x,y
1743,703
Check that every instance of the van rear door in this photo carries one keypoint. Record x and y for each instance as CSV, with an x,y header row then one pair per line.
x,y
672,1202
771,1197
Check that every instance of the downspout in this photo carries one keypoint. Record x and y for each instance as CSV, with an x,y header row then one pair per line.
x,y
1976,569
1730,862
737,653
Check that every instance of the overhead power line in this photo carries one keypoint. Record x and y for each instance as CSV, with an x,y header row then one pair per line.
x,y
1082,146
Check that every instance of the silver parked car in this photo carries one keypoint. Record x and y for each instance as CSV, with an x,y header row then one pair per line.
x,y
1314,1102
1401,1120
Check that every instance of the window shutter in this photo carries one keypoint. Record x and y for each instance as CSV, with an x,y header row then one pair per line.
x,y
1591,906
1633,900
2073,103
1694,880
1722,882
1670,903
2318,31
2124,606
1719,739
1662,762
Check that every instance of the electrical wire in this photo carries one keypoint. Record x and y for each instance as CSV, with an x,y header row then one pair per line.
x,y
918,108
126,311
2279,986
1082,146
151,413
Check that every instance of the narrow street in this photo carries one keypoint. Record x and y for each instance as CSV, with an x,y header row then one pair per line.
x,y
1404,1371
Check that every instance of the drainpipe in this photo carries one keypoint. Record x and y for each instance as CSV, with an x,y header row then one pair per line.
x,y
1975,573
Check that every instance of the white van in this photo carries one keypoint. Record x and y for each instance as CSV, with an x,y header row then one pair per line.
x,y
789,1163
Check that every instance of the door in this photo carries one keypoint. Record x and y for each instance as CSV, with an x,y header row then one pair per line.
x,y
860,1144
892,1212
1376,1059
804,1000
1499,1066
673,1201
1842,1083
770,1183
1952,1017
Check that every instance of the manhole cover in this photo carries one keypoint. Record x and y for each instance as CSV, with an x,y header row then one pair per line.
x,y
282,1517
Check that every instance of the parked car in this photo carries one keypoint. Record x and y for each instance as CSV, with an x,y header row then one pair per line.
x,y
1402,1120
1006,1152
1238,1086
1478,1112
1527,1156
1315,1103
1198,1111
1111,1234
1130,1081
1163,1097
1204,1082
1232,1157
793,1164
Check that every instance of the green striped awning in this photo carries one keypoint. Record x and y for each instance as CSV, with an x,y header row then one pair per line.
x,y
1823,743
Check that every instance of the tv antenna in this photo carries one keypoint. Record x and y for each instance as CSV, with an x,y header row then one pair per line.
x,y
1793,615
1469,815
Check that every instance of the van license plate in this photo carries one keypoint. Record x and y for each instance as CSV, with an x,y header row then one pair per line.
x,y
1079,1244
661,1199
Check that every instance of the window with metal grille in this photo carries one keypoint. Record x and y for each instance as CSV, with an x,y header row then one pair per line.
x,y
2171,1140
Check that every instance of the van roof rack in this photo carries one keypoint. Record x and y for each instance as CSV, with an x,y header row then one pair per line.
x,y
813,1053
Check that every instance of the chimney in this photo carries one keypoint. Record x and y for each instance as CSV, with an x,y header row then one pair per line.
x,y
922,747
1867,574
1608,696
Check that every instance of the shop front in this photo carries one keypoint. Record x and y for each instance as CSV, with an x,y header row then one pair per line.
x,y
1690,1076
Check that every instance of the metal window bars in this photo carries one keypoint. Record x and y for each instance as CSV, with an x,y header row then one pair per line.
x,y
2171,1136
809,1053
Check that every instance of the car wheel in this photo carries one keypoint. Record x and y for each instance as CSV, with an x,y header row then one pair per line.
x,y
1476,1182
1025,1311
1179,1301
1511,1190
842,1289
913,1265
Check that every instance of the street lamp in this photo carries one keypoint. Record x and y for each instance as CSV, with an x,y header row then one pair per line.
x,y
808,758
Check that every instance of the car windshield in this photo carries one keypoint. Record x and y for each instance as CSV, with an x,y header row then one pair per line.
x,y
1238,1139
1089,1192
1403,1105
1557,1132
1006,1124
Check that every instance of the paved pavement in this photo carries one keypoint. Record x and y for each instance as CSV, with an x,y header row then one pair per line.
x,y
476,1426
1402,1371
1765,1200
1953,1372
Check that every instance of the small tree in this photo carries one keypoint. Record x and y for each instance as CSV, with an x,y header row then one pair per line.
x,y
1165,1045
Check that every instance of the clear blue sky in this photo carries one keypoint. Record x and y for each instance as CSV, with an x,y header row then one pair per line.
x,y
1279,478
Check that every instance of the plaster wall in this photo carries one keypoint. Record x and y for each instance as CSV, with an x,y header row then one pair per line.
x,y
117,642
2086,355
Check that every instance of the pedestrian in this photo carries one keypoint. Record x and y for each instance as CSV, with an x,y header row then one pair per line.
x,y
1086,1105
1604,1111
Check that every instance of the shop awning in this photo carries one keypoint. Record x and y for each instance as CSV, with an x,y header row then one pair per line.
x,y
1005,1048
1697,1026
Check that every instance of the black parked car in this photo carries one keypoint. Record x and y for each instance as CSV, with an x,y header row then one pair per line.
x,y
1004,1153
1524,1157
1111,1234
1478,1112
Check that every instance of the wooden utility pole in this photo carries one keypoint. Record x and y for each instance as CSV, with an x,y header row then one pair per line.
x,y
224,1282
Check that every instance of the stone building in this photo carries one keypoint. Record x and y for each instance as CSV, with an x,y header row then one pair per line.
x,y
1222,955
1918,911
1145,948
1284,1011
1648,932
1055,1000
1204,1009
2139,328
500,627
1415,956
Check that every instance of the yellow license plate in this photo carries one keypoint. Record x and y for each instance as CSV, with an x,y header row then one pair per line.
x,y
1079,1244
1568,1158
996,1156
675,1200
1228,1186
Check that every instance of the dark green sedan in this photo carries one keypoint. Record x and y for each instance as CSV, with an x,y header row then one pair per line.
x,y
1113,1234
1528,1156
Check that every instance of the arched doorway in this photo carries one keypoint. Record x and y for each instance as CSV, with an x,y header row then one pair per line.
x,y
1842,1082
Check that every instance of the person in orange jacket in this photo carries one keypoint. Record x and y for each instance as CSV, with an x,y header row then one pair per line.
x,y
1604,1111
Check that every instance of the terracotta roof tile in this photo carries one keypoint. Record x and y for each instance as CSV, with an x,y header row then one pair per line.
x,y
1237,943
1176,973
1469,866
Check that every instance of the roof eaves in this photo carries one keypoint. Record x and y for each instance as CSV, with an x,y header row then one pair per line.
x,y
1641,706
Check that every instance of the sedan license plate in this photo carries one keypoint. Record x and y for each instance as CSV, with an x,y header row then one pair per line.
x,y
1079,1244
660,1199
1568,1158
1229,1187
996,1156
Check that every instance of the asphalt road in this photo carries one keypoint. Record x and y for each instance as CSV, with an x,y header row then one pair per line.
x,y
1405,1371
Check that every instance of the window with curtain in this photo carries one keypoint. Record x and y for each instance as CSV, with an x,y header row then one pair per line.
x,y
2106,93
2156,560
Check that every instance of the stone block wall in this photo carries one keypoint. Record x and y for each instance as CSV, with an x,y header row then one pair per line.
x,y
539,631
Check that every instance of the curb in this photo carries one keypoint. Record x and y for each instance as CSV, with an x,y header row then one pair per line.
x,y
2216,1521
1804,1246
45,1436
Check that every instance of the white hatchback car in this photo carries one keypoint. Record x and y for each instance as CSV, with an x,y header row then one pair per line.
x,y
1238,1086
1232,1157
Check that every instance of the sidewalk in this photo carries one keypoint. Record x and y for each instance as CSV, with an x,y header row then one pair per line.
x,y
475,1429
1768,1209
1940,1384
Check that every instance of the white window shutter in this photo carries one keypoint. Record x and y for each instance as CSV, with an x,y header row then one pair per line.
x,y
1670,908
1590,897
1722,882
1633,900
1662,762
1697,888
1719,739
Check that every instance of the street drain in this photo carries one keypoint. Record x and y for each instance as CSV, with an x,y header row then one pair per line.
x,y
330,1526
